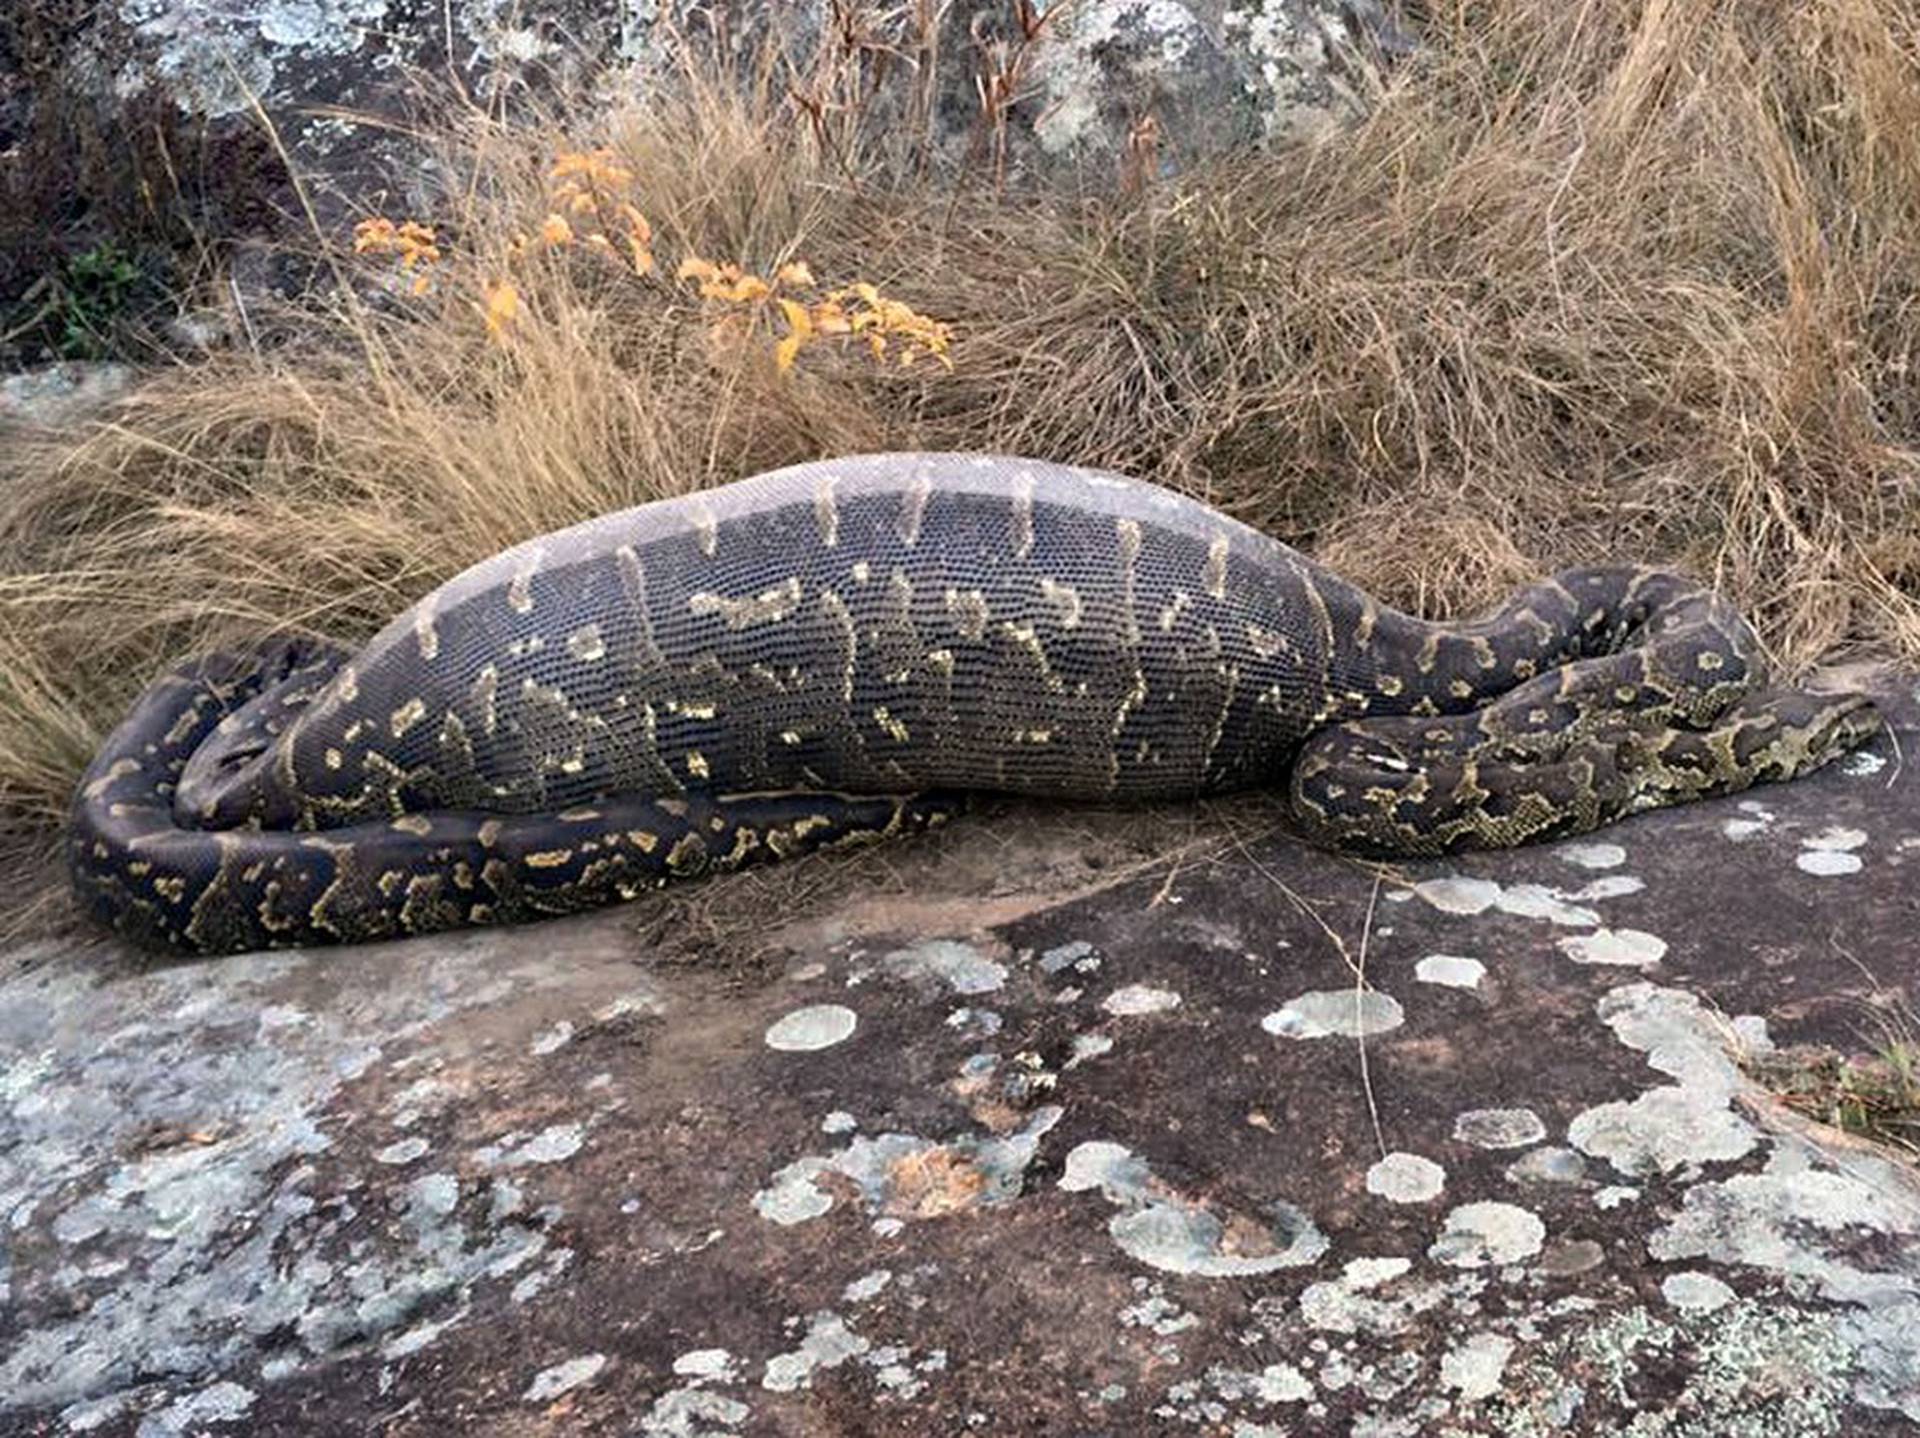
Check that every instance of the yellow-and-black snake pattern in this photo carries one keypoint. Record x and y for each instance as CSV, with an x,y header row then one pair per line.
x,y
830,652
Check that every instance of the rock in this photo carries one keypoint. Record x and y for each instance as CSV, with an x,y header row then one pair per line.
x,y
61,394
299,1193
1081,83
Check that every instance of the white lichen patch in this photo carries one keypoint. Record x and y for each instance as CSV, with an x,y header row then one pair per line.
x,y
1137,999
1328,1013
1156,1312
1276,1383
1292,48
552,1040
828,1344
1695,1292
961,967
693,1412
905,1172
550,1383
1630,948
1077,955
866,1287
1828,863
553,1144
1756,818
1166,1230
1592,856
1488,1235
1148,39
818,1026
403,1151
195,1413
1665,1130
1473,1369
1499,1127
975,1023
1354,1303
1837,837
434,1193
1088,1046
1863,764
1830,853
1451,971
1829,1233
1773,1220
1460,895
716,1365
1672,1128
198,1244
1548,1165
1406,1178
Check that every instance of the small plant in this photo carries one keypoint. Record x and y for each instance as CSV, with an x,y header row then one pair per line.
x,y
589,206
1875,1095
855,310
415,245
96,286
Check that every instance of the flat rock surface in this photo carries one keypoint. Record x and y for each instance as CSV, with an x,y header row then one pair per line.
x,y
1060,1122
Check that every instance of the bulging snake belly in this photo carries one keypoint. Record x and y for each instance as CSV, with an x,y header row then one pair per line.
x,y
834,652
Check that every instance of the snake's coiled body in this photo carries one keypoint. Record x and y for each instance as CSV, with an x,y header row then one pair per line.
x,y
816,655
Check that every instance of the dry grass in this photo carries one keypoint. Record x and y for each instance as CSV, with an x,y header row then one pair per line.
x,y
1600,280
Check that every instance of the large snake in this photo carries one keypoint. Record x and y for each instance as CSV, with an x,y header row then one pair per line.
x,y
829,652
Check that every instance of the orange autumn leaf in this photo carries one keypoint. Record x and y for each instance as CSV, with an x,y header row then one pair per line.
x,y
503,306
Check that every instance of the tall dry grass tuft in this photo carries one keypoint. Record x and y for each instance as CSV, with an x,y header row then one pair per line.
x,y
1598,281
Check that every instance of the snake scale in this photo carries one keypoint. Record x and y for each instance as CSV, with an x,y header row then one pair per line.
x,y
835,651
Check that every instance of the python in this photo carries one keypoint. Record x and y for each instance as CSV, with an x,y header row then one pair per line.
x,y
839,651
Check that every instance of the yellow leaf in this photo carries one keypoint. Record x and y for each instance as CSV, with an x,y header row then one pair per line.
x,y
636,222
556,231
376,234
642,256
784,352
583,203
798,320
796,273
503,305
695,268
422,282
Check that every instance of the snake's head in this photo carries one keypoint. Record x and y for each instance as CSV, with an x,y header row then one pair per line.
x,y
1826,726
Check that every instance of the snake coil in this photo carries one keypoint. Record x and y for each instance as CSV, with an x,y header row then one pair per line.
x,y
831,653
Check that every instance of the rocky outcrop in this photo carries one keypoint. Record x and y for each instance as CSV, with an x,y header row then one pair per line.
x,y
1063,1121
1060,84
